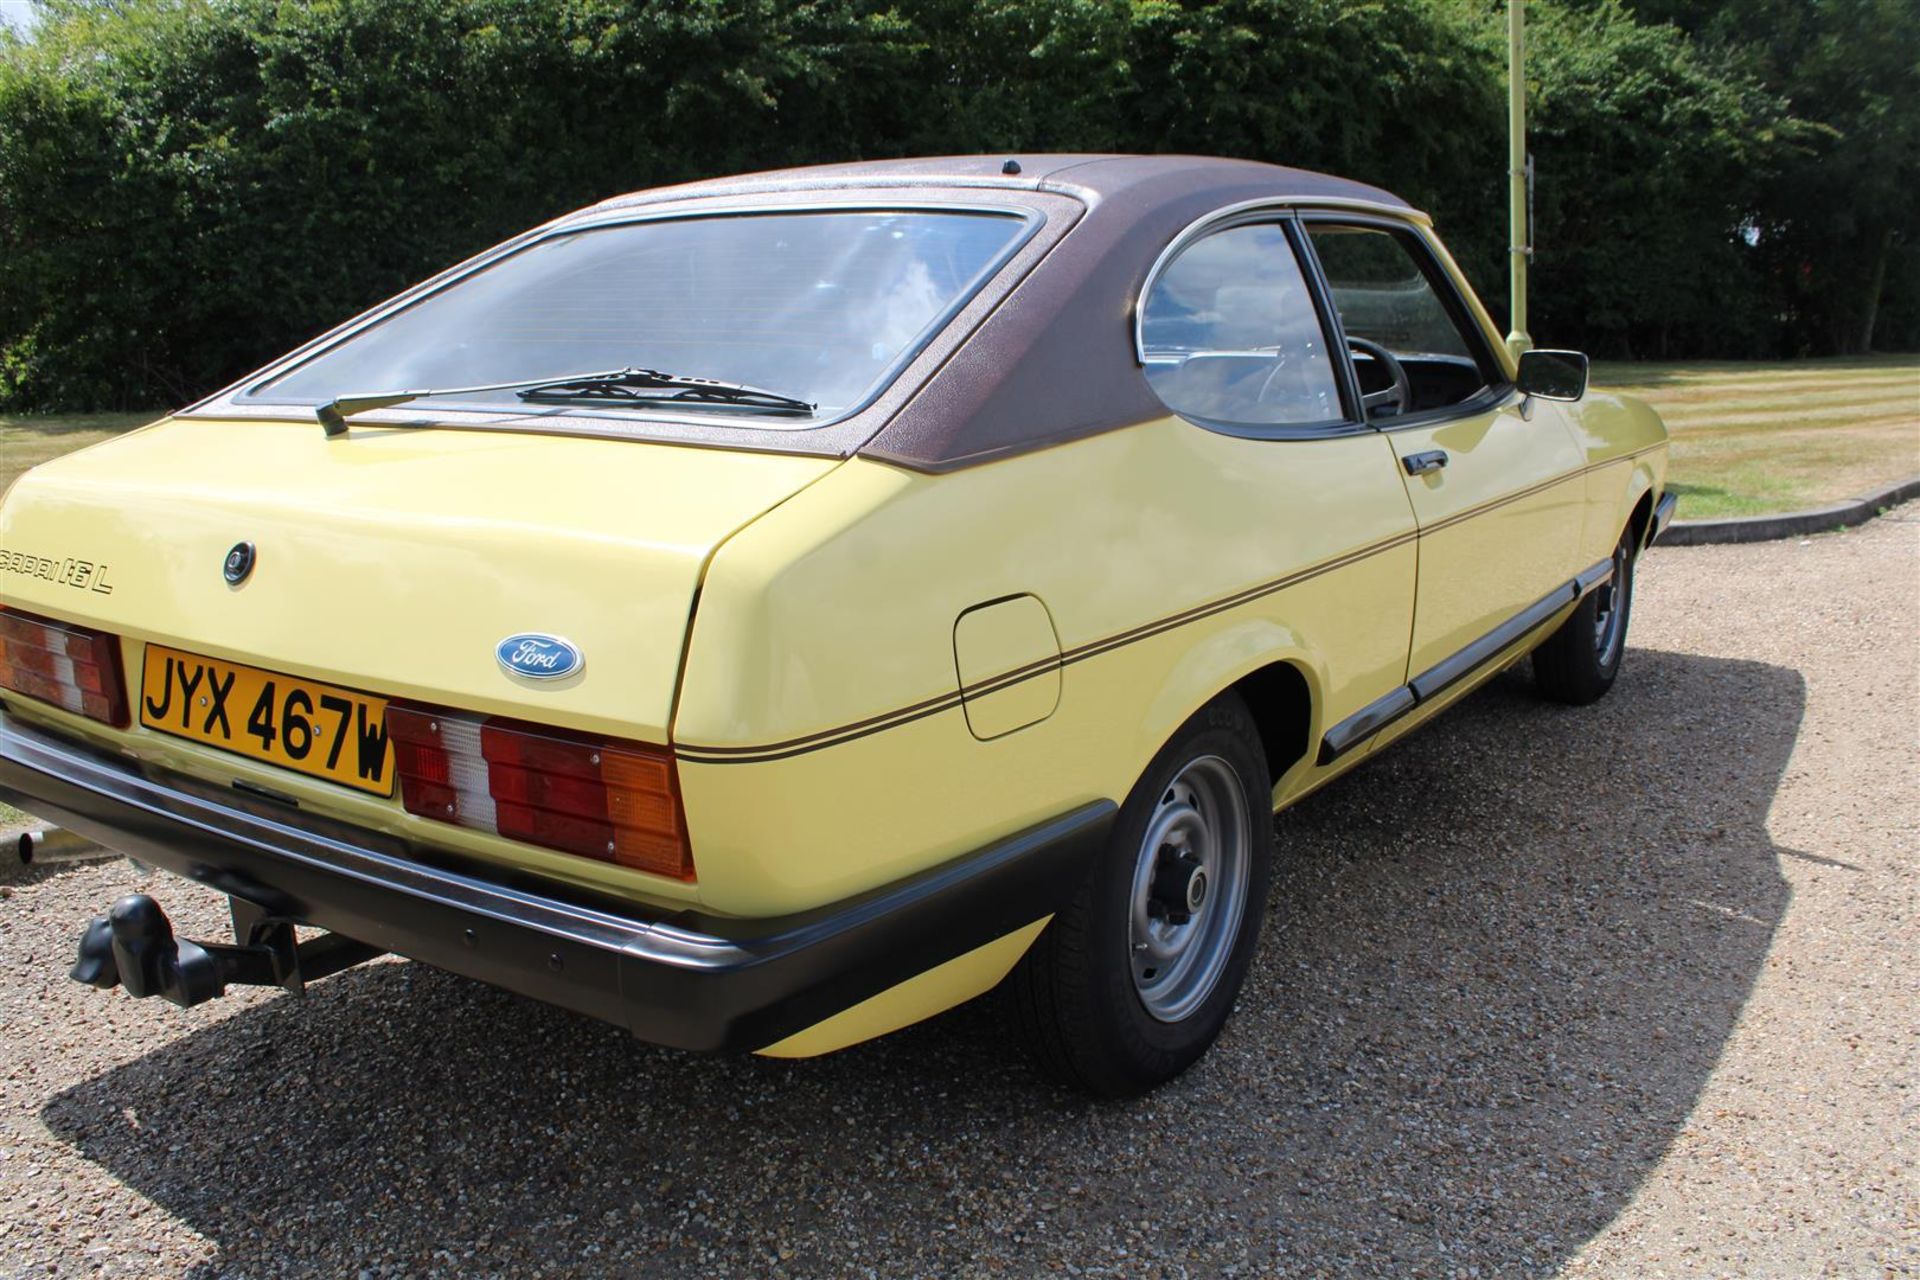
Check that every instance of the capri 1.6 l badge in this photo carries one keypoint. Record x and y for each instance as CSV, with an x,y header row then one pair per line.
x,y
537,656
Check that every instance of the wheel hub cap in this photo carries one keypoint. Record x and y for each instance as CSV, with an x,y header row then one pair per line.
x,y
1179,887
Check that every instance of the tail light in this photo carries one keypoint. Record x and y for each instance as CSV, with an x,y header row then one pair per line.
x,y
599,798
73,667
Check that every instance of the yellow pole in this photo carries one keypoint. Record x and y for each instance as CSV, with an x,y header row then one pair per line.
x,y
1519,246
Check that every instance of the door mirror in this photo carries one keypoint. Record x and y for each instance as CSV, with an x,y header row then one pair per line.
x,y
1553,375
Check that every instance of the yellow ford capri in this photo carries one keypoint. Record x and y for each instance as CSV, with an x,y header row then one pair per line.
x,y
766,612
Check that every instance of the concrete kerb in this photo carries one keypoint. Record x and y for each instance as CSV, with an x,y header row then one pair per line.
x,y
1790,524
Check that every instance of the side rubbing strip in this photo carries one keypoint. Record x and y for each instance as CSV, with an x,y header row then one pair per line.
x,y
1446,673
1366,722
1450,671
1593,577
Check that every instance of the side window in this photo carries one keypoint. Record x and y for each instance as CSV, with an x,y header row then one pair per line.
x,y
1387,299
1229,333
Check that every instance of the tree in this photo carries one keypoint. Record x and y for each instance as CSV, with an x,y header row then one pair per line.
x,y
1839,218
189,187
1652,157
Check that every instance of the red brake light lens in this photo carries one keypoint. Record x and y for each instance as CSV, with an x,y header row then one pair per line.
x,y
598,798
73,667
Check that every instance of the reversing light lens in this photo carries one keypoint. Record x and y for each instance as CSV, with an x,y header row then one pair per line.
x,y
73,667
597,798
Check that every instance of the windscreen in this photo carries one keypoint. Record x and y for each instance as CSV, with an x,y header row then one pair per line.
x,y
823,307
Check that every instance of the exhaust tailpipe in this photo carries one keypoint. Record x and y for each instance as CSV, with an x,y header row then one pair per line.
x,y
53,844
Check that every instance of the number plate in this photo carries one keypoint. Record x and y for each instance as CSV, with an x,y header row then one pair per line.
x,y
312,728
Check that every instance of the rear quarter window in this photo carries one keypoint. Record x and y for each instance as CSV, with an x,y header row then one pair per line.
x,y
1229,333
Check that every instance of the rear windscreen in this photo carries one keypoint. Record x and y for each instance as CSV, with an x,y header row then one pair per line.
x,y
823,307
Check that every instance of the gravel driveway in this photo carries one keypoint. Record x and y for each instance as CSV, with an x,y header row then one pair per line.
x,y
1624,991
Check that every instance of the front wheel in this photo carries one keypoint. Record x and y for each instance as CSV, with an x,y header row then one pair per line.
x,y
1133,980
1578,662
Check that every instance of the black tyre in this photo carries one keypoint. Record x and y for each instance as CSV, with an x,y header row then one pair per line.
x,y
1578,662
1133,980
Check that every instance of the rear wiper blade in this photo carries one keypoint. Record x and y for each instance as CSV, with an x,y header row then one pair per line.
x,y
614,386
637,386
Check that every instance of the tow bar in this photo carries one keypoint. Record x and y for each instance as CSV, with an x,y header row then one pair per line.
x,y
133,946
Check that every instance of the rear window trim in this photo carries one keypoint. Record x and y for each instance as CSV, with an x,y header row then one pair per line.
x,y
249,392
1284,214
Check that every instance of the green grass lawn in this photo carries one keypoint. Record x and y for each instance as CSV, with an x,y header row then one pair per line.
x,y
29,440
1750,438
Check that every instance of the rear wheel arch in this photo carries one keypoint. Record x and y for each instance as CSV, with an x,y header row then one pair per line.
x,y
1259,660
1280,698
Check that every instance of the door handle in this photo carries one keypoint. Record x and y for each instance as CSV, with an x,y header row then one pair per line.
x,y
1421,464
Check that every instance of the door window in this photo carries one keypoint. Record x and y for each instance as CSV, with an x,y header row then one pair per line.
x,y
1229,334
1397,321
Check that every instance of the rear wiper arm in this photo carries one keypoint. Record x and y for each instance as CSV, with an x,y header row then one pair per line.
x,y
629,386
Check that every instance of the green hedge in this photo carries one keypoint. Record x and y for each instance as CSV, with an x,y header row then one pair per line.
x,y
188,187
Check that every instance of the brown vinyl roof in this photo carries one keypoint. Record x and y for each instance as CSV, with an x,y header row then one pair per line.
x,y
1054,360
1090,177
1043,354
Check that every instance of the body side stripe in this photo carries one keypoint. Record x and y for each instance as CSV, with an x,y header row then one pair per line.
x,y
993,684
765,752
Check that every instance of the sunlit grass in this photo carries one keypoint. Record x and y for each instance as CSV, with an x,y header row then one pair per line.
x,y
27,440
1752,438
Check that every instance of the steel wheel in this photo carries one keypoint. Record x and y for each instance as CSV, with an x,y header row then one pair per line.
x,y
1608,618
1131,981
1189,889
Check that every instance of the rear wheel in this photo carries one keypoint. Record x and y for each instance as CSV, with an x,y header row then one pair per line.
x,y
1133,980
1578,662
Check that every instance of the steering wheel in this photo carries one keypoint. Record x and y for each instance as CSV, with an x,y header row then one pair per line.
x,y
1297,385
1400,394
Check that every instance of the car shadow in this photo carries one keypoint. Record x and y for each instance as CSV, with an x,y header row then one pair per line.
x,y
1501,963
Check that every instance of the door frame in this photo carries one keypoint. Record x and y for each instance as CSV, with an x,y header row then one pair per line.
x,y
1500,390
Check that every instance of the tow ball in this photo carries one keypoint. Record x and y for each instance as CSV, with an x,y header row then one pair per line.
x,y
133,946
